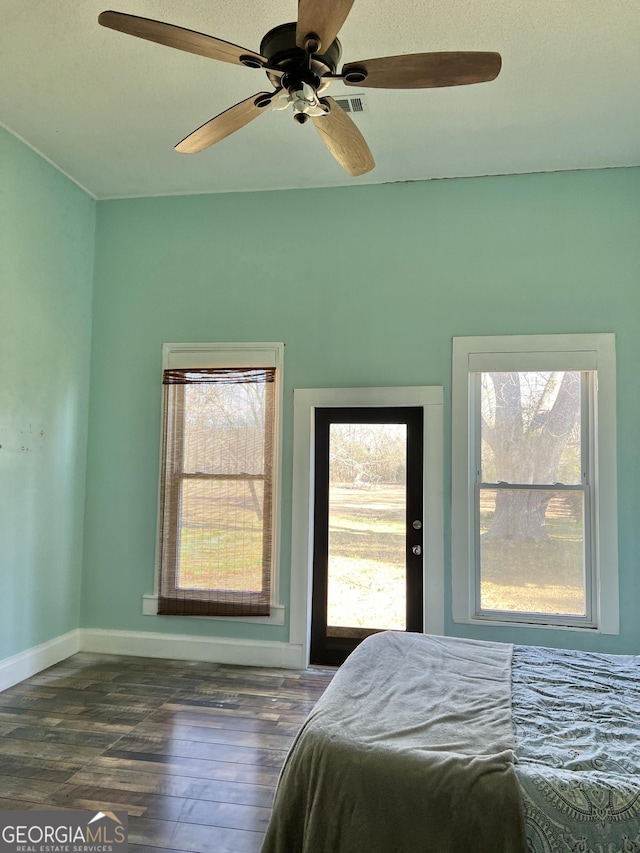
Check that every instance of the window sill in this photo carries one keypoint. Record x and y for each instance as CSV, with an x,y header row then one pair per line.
x,y
545,626
150,608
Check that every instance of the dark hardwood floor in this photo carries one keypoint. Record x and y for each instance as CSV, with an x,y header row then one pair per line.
x,y
192,751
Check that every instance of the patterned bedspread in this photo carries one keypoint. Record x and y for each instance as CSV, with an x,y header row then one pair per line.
x,y
576,717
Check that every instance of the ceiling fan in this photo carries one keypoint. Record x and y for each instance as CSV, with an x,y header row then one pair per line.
x,y
301,60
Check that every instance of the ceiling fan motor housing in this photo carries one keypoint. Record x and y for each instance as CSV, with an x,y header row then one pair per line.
x,y
279,47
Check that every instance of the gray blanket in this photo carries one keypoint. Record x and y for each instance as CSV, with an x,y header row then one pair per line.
x,y
410,750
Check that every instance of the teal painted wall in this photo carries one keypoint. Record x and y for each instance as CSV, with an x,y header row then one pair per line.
x,y
47,227
366,286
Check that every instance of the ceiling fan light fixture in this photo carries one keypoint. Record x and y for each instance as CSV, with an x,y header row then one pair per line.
x,y
305,101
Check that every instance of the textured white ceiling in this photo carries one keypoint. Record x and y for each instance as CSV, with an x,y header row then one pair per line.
x,y
108,108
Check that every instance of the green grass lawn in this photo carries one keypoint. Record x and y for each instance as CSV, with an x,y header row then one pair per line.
x,y
367,586
367,563
220,558
535,577
367,560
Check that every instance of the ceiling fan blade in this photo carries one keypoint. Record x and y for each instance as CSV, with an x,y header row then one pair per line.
x,y
423,70
321,19
225,124
182,39
344,140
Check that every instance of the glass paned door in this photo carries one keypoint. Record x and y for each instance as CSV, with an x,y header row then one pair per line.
x,y
367,527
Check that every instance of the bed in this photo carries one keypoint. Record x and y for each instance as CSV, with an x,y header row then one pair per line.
x,y
428,744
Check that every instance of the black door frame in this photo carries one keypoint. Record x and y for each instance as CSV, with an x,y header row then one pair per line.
x,y
334,650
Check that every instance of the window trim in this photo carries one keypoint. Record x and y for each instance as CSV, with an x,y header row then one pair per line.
x,y
229,355
539,352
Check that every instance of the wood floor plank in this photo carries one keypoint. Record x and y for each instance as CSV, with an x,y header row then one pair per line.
x,y
133,778
54,751
212,720
32,790
191,750
204,734
129,796
26,766
225,815
225,692
144,848
145,702
97,711
70,723
57,734
113,686
9,804
224,771
193,838
209,751
231,722
218,711
101,804
175,809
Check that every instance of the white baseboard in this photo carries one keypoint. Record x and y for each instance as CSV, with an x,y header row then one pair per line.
x,y
152,645
34,660
188,647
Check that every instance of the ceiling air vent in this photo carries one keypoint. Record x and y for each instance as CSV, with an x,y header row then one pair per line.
x,y
352,103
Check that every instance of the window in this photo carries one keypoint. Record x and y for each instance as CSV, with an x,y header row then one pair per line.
x,y
534,481
219,472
